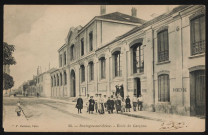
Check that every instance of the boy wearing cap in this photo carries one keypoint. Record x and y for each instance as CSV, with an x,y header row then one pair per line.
x,y
105,102
96,102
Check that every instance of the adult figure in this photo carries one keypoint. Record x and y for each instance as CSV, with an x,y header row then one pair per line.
x,y
135,102
121,90
91,104
118,104
100,104
79,104
117,90
140,103
123,105
128,104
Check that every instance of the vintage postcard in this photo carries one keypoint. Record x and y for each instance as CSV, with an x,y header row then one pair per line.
x,y
104,68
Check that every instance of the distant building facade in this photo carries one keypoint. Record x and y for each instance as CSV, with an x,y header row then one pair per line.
x,y
162,59
43,83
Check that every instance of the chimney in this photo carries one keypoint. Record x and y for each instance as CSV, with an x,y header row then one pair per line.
x,y
102,9
134,12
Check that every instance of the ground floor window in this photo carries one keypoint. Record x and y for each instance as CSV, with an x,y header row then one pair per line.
x,y
163,88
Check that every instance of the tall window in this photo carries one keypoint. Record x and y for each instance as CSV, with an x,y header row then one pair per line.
x,y
64,58
54,80
198,35
163,88
117,64
138,58
57,80
72,52
61,79
65,78
163,48
102,67
91,41
51,81
82,46
91,71
60,60
82,73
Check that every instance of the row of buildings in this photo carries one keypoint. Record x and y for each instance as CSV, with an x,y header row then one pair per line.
x,y
162,59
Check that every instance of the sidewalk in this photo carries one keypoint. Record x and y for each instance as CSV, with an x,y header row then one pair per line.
x,y
161,116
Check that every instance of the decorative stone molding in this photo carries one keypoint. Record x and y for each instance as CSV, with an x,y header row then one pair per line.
x,y
101,55
162,28
163,72
139,41
199,67
198,13
116,49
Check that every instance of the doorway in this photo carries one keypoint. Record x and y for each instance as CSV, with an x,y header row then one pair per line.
x,y
73,84
137,90
197,89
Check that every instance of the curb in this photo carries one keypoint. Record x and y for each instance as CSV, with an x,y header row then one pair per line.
x,y
140,116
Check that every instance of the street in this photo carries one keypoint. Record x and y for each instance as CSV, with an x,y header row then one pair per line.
x,y
52,115
47,115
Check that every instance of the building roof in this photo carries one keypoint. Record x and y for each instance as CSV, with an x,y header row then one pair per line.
x,y
148,23
117,16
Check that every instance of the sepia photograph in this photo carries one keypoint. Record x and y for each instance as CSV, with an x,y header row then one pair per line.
x,y
104,68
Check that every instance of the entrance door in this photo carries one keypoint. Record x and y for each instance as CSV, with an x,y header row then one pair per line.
x,y
73,84
198,93
137,91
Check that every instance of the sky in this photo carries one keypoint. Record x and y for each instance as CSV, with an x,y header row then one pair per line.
x,y
38,31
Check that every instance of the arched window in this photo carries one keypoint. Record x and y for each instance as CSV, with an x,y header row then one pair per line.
x,y
91,70
57,80
51,81
82,73
102,67
90,41
61,79
117,63
65,58
82,46
163,47
54,80
163,88
198,35
72,52
60,60
65,78
138,58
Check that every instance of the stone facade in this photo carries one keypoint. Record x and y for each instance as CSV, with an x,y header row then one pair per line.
x,y
164,72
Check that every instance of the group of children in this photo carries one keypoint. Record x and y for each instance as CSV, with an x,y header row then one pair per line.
x,y
103,104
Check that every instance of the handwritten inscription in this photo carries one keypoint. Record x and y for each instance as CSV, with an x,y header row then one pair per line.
x,y
171,125
179,89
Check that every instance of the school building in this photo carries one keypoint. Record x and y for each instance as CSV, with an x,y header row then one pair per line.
x,y
162,59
